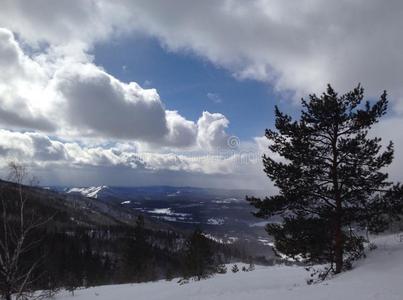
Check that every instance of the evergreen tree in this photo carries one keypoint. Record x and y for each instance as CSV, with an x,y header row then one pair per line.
x,y
330,178
199,261
138,254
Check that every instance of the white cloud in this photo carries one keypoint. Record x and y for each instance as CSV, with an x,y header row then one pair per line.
x,y
79,100
211,133
21,81
58,22
51,157
100,105
29,147
182,132
40,150
97,120
298,46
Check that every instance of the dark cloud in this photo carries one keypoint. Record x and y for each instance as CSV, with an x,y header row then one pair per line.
x,y
11,119
97,102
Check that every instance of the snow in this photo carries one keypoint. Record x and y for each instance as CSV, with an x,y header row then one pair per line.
x,y
90,192
222,240
265,242
379,276
162,211
168,212
215,221
167,218
228,201
174,194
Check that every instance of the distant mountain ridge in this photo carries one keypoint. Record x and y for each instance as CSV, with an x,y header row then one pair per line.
x,y
152,192
222,213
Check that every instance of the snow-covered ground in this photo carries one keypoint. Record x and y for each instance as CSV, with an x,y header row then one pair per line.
x,y
379,276
90,192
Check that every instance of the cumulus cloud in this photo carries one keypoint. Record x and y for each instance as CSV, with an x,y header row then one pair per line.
x,y
182,132
21,81
30,146
211,133
58,22
98,103
298,46
79,100
39,150
96,120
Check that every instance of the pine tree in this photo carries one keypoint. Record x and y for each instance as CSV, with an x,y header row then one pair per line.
x,y
199,260
137,254
330,178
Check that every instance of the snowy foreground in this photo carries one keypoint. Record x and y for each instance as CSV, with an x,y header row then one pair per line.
x,y
380,276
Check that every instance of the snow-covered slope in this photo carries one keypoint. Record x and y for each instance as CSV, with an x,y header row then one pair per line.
x,y
90,192
380,276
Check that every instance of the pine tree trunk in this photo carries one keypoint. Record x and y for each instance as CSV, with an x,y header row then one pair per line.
x,y
338,235
338,244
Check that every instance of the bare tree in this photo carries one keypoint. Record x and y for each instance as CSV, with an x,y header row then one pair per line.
x,y
18,223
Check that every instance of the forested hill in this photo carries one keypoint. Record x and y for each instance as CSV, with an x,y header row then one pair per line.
x,y
86,242
69,210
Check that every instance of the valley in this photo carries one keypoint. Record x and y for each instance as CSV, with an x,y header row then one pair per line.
x,y
223,215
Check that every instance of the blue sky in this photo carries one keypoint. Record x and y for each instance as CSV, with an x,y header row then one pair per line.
x,y
184,81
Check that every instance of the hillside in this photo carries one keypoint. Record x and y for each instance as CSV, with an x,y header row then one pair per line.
x,y
74,209
376,277
89,242
221,213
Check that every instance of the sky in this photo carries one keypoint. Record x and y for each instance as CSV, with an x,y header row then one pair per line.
x,y
132,93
